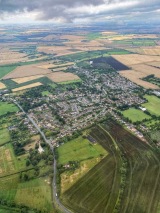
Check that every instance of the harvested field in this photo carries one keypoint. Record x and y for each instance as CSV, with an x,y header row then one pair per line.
x,y
14,57
2,86
154,64
132,59
26,79
146,51
62,77
27,87
136,76
112,62
147,70
26,71
49,66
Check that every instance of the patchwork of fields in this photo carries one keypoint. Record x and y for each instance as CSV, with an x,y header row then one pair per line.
x,y
105,189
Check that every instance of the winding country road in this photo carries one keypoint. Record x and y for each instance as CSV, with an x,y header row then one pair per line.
x,y
56,199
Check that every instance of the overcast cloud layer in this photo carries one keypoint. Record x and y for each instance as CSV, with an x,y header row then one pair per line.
x,y
79,10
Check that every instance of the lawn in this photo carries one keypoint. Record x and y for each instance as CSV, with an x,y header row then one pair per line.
x,y
6,108
135,115
153,104
4,70
4,136
79,149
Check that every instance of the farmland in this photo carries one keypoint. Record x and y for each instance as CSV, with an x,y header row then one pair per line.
x,y
132,59
27,87
26,71
4,70
79,149
26,79
135,115
2,86
153,104
4,136
7,108
37,192
91,193
59,77
112,62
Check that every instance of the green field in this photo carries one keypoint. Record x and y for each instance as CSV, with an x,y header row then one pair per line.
x,y
4,136
153,104
6,108
37,192
70,82
79,149
135,115
4,70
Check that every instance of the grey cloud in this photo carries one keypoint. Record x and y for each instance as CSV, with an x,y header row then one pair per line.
x,y
49,9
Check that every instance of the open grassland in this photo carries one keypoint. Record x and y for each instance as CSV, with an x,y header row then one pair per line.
x,y
27,87
7,107
153,104
37,192
4,70
135,115
132,59
79,149
26,71
2,86
105,189
26,79
4,136
62,77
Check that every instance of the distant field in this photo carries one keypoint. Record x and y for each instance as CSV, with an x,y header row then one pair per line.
x,y
79,149
153,104
7,107
27,87
4,70
132,59
146,51
26,71
4,136
26,79
62,77
2,86
135,114
71,82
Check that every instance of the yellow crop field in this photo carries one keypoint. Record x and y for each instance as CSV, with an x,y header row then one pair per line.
x,y
154,64
141,71
62,77
26,71
2,86
132,59
146,70
27,87
26,79
47,66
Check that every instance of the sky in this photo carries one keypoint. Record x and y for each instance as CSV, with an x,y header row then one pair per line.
x,y
79,11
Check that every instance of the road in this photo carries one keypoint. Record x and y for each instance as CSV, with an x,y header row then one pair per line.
x,y
56,199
